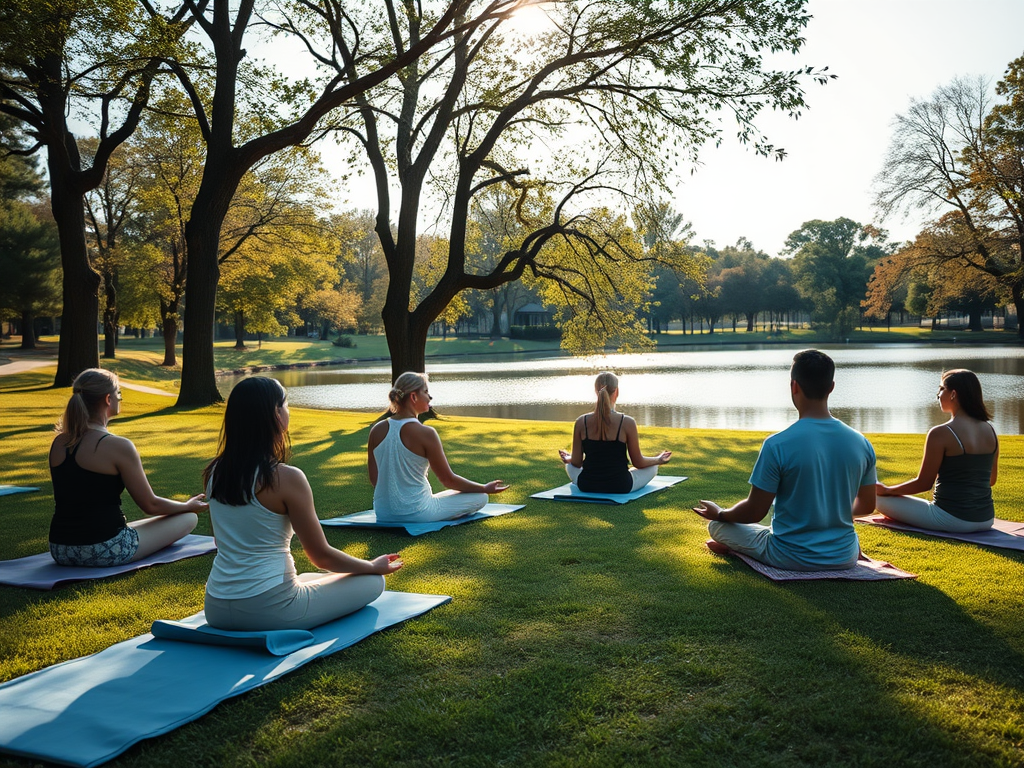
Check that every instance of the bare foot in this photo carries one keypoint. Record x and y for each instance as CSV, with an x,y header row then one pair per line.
x,y
716,547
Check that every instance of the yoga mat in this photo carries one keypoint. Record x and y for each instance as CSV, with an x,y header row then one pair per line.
x,y
1004,534
569,492
8,490
278,642
368,519
40,572
865,570
89,710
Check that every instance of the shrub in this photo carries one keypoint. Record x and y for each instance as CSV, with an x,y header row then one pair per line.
x,y
344,341
536,332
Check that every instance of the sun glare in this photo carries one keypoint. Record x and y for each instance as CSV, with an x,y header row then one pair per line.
x,y
529,20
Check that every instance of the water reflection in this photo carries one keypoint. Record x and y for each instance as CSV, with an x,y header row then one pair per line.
x,y
878,388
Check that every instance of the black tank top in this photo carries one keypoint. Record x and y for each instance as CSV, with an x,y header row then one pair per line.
x,y
605,465
87,505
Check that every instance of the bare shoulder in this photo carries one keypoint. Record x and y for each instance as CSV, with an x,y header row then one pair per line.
x,y
286,473
379,430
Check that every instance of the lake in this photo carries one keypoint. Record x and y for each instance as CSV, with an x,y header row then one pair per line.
x,y
879,388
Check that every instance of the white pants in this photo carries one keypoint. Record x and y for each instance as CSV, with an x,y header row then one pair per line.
x,y
446,505
923,514
310,600
640,477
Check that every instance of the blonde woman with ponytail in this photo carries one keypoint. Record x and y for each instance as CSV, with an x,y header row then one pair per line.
x,y
600,443
90,467
399,453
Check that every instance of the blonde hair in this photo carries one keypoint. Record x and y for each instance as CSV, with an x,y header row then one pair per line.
x,y
405,385
605,385
88,395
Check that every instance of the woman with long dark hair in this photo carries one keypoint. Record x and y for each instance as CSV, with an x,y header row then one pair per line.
x,y
601,441
961,459
90,467
257,502
399,452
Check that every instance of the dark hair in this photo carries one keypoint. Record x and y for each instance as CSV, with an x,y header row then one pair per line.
x,y
968,393
814,371
252,442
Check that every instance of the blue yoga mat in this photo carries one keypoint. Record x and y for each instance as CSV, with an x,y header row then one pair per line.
x,y
40,572
89,710
569,492
7,490
277,642
368,519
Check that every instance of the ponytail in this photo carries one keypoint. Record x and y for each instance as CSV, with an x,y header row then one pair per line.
x,y
606,384
88,394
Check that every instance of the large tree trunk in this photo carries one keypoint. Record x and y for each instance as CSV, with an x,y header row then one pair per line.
x,y
28,329
202,238
79,339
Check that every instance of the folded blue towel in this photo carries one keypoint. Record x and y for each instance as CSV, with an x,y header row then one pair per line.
x,y
569,492
89,710
368,519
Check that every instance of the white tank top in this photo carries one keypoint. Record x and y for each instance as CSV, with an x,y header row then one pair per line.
x,y
402,487
253,550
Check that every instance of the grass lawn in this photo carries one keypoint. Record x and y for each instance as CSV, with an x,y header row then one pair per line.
x,y
578,635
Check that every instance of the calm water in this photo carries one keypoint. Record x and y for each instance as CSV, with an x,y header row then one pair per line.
x,y
878,388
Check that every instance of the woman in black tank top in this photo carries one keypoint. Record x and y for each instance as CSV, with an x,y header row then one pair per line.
x,y
90,467
603,445
961,459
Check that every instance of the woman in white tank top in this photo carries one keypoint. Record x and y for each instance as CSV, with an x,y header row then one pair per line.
x,y
257,502
399,453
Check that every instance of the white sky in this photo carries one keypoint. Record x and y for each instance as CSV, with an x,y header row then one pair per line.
x,y
885,52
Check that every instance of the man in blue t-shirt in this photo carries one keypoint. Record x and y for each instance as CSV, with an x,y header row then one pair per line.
x,y
819,472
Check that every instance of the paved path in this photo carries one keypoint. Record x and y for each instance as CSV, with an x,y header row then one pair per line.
x,y
20,366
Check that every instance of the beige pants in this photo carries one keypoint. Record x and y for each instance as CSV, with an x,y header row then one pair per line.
x,y
312,599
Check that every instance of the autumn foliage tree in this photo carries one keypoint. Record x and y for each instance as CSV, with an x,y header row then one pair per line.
x,y
960,154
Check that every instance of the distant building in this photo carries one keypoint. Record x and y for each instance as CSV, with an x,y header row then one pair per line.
x,y
532,314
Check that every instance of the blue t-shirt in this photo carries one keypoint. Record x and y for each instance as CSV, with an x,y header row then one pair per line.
x,y
815,468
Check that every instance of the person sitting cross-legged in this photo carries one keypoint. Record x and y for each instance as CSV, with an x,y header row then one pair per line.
x,y
819,473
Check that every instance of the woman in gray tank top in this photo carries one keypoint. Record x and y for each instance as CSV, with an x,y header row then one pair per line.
x,y
961,459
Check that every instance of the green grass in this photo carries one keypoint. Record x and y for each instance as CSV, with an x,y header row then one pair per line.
x,y
577,635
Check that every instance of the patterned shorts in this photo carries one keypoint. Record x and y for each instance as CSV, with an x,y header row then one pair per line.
x,y
116,551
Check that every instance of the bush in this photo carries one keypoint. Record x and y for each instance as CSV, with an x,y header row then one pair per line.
x,y
535,332
344,341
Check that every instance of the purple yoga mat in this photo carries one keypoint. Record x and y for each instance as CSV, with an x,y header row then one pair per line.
x,y
40,572
1004,534
865,570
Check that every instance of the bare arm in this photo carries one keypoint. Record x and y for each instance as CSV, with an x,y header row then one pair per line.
x,y
576,457
864,504
129,466
752,509
934,450
636,458
428,438
294,493
995,465
377,435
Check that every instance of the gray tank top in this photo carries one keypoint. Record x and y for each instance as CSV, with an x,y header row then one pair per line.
x,y
963,486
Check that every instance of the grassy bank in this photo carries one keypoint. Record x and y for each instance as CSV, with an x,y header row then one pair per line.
x,y
577,635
